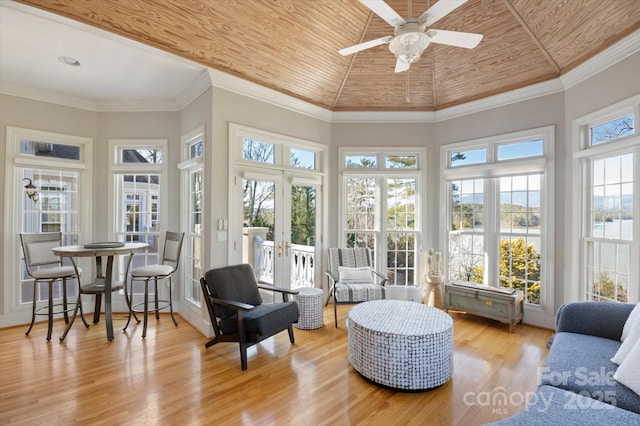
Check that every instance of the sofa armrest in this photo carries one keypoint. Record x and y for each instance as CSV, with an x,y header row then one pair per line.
x,y
601,319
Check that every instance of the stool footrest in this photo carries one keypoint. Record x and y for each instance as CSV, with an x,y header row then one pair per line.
x,y
70,308
162,304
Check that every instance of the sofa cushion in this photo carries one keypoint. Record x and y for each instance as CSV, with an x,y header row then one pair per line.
x,y
629,342
553,406
582,364
263,319
628,324
627,373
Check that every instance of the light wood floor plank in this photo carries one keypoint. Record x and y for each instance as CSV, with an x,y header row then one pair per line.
x,y
170,378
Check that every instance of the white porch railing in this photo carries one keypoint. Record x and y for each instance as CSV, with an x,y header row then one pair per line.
x,y
302,269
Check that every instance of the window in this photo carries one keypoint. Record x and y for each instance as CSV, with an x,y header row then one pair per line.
x,y
608,190
275,222
139,191
55,211
381,209
192,176
499,190
302,158
612,130
55,164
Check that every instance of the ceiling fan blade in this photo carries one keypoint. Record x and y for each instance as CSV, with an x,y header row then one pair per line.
x,y
366,45
439,10
402,65
455,38
383,10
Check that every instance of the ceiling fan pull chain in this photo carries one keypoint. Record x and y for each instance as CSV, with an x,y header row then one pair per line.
x,y
407,99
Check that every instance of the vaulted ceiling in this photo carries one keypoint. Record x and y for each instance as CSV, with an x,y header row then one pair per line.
x,y
291,45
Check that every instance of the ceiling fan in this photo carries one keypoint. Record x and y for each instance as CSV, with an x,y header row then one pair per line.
x,y
413,35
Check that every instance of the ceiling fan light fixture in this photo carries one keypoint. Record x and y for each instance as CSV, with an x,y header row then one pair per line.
x,y
408,46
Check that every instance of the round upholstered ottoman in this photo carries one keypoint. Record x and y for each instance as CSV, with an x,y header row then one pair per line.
x,y
310,305
401,344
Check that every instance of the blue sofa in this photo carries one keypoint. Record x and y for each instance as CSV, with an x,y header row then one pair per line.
x,y
576,383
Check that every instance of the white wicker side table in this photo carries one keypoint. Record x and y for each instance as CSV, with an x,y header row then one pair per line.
x,y
310,305
401,344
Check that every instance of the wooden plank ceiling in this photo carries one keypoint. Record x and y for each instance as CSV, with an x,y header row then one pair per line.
x,y
291,45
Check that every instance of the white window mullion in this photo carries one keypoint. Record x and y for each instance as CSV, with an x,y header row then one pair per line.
x,y
491,232
634,284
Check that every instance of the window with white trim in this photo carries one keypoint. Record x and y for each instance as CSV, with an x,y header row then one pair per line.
x,y
138,173
608,176
499,221
381,208
192,201
54,166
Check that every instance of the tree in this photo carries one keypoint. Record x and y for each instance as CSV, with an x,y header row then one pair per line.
x,y
259,198
605,288
519,268
303,215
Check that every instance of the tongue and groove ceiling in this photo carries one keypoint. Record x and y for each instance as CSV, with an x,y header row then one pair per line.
x,y
291,45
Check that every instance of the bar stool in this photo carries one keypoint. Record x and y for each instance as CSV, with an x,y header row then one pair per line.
x,y
169,265
37,250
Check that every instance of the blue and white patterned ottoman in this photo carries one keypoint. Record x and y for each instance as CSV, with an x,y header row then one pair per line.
x,y
400,344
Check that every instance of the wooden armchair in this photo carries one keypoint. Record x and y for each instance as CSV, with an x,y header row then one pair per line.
x,y
236,310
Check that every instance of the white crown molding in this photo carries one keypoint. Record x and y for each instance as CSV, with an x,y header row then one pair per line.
x,y
197,88
518,95
46,96
616,53
169,105
85,104
234,84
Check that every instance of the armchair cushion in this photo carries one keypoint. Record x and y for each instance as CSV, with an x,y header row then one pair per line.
x,y
359,292
361,275
236,283
263,319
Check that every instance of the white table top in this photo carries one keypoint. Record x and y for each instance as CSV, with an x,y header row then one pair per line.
x,y
82,251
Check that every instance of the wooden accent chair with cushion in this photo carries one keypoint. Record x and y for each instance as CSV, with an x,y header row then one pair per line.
x,y
236,310
352,278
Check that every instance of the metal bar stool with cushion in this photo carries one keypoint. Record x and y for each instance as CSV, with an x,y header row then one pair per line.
x,y
352,278
37,250
169,265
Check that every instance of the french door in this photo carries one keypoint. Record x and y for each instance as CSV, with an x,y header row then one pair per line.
x,y
280,222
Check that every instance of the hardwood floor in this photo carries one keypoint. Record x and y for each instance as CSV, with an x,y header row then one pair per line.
x,y
171,379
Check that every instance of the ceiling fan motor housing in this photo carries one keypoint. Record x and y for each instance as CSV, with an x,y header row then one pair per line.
x,y
409,41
